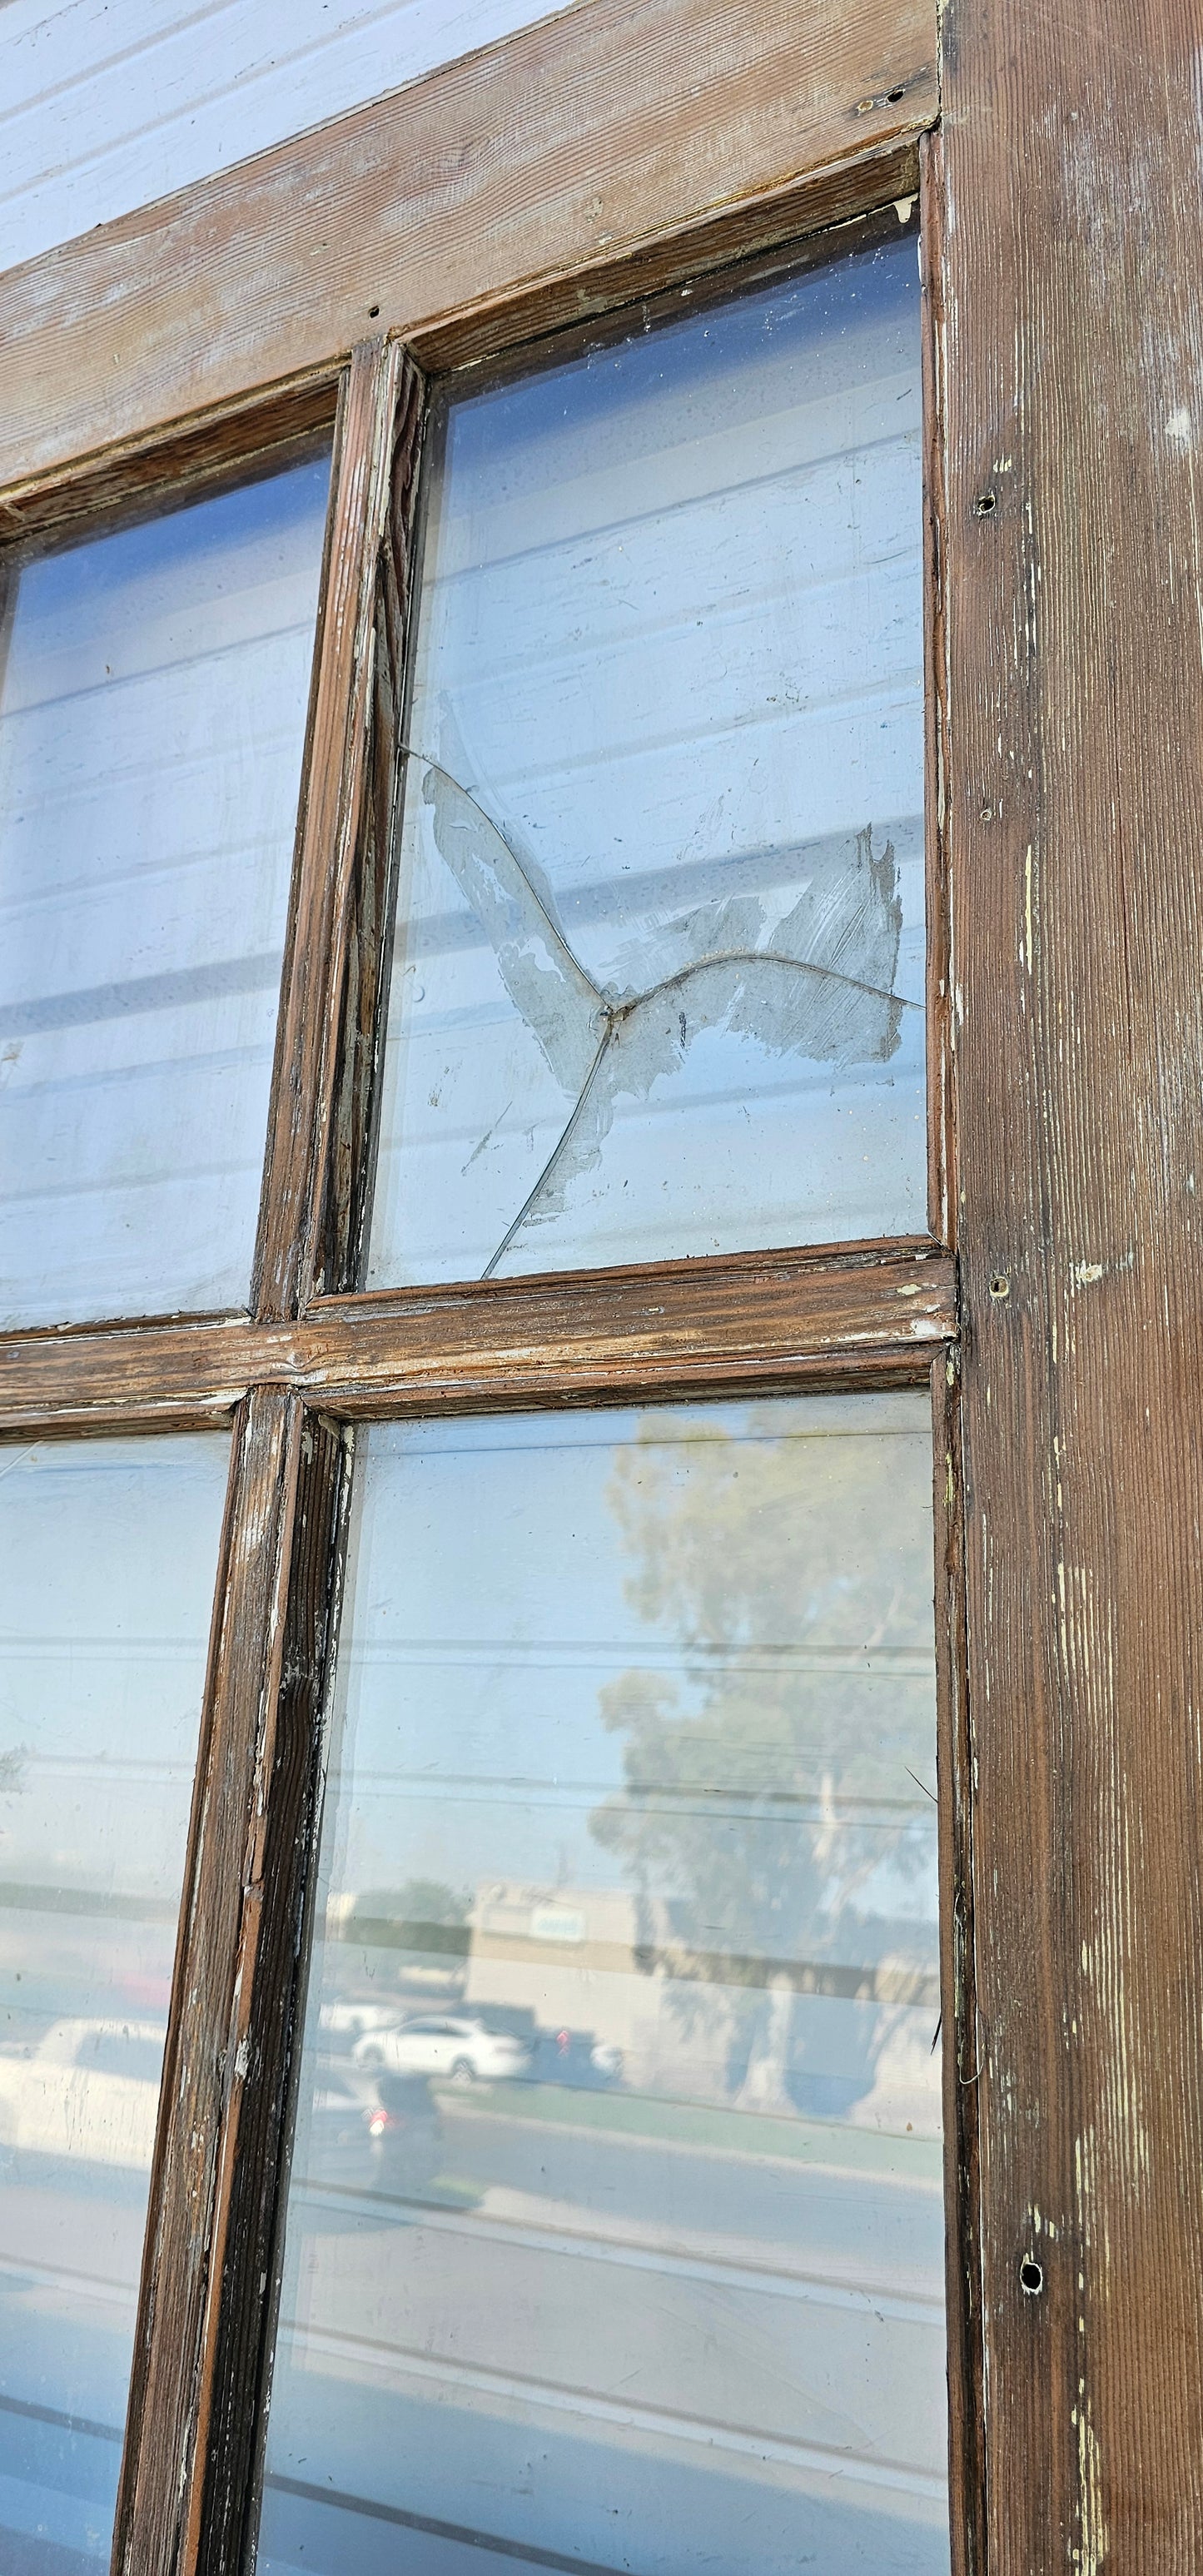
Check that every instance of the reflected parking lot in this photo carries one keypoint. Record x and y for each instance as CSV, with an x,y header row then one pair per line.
x,y
630,1864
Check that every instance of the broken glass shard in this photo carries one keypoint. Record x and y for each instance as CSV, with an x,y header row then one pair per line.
x,y
658,982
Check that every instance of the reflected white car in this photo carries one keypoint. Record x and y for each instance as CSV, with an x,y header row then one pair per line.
x,y
352,2021
462,2051
90,2091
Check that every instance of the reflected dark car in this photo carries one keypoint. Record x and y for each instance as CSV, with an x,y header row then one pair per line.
x,y
381,2133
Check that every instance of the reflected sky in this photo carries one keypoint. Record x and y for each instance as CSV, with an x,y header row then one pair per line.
x,y
110,1553
658,986
616,2223
153,690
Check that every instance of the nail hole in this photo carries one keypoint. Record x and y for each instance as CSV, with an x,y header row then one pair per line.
x,y
984,504
893,95
373,310
1031,2276
1000,1286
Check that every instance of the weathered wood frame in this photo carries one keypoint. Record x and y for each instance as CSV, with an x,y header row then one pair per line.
x,y
312,1353
626,147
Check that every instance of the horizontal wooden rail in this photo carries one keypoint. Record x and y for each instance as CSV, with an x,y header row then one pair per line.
x,y
615,146
751,1321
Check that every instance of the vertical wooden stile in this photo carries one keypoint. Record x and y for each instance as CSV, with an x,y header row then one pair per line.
x,y
244,2280
209,2278
941,1198
334,790
211,2269
206,2063
1072,259
958,2005
341,1248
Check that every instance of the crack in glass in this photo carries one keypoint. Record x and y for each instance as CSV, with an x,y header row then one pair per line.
x,y
799,994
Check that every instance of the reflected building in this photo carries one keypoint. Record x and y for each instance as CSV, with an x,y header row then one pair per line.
x,y
838,2038
577,1958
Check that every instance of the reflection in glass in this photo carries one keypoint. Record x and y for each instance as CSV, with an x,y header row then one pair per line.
x,y
110,1551
615,2232
153,690
658,986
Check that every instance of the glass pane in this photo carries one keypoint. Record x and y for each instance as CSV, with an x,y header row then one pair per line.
x,y
152,714
110,1551
616,2225
659,977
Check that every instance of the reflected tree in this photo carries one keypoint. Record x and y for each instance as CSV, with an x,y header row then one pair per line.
x,y
772,1800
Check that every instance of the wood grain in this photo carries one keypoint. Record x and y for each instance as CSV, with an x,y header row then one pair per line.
x,y
336,769
210,2058
958,1990
270,1979
577,144
339,1252
747,1319
241,440
941,1197
767,224
1073,317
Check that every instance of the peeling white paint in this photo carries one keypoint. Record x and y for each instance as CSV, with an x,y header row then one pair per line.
x,y
1090,2551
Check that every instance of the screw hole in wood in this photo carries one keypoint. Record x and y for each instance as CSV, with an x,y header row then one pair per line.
x,y
1031,2276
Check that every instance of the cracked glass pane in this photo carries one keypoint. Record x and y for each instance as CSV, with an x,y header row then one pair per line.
x,y
658,982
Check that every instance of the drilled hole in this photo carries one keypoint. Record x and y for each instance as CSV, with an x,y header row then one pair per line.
x,y
1031,2276
985,503
373,310
1000,1285
893,96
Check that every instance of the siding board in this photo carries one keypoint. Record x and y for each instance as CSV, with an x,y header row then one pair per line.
x,y
105,109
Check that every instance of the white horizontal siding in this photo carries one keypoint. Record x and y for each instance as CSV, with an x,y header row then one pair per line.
x,y
671,640
108,104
